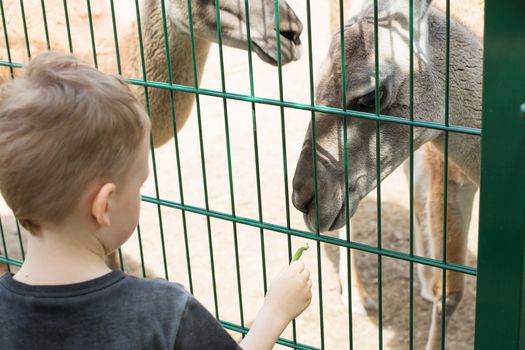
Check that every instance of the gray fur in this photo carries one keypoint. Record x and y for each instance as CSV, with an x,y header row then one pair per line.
x,y
429,105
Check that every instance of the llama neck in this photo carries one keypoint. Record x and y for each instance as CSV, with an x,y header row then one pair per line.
x,y
156,68
464,91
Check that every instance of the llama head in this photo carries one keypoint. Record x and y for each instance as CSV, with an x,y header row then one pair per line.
x,y
393,92
233,19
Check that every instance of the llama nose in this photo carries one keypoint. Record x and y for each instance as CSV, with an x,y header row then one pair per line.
x,y
293,36
290,25
303,189
300,203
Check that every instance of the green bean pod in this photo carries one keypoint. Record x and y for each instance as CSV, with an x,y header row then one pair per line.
x,y
299,252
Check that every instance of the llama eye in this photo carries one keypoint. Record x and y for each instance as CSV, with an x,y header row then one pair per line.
x,y
368,101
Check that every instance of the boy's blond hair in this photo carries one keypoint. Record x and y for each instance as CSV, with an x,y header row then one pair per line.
x,y
64,125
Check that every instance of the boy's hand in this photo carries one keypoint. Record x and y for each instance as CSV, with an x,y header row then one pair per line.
x,y
290,292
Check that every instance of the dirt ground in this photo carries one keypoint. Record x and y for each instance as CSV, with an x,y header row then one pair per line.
x,y
180,258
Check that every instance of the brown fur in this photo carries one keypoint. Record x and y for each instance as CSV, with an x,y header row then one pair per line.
x,y
335,20
156,70
470,13
163,127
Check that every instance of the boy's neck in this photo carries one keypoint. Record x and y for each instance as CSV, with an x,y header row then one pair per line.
x,y
63,256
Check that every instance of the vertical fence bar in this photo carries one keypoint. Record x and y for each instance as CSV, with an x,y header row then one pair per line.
x,y
92,33
120,259
255,146
203,161
6,37
378,176
20,242
445,179
176,144
26,36
411,176
46,29
228,151
115,37
283,143
500,302
345,155
143,267
146,97
314,155
66,15
4,243
119,70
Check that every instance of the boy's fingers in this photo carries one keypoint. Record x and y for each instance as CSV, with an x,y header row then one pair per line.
x,y
306,273
297,266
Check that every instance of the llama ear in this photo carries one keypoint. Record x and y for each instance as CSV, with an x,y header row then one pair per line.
x,y
420,8
423,7
401,9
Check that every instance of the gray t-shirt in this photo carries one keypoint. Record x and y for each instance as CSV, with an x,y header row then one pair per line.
x,y
114,311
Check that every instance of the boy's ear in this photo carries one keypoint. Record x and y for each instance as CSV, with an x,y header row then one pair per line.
x,y
100,204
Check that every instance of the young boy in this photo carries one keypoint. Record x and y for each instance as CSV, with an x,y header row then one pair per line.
x,y
73,156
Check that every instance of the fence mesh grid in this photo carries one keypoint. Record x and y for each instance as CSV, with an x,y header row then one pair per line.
x,y
282,104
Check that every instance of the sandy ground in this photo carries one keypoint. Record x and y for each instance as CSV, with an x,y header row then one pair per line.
x,y
195,257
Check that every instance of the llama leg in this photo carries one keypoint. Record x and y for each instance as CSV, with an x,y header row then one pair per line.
x,y
361,301
357,302
421,236
461,193
421,219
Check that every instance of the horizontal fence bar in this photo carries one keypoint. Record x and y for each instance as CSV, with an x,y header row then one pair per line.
x,y
315,237
10,261
285,342
225,324
306,107
295,105
12,65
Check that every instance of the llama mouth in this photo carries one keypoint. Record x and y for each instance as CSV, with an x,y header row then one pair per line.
x,y
340,218
337,222
267,49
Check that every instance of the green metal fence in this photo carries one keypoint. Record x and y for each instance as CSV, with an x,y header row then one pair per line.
x,y
499,307
500,314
